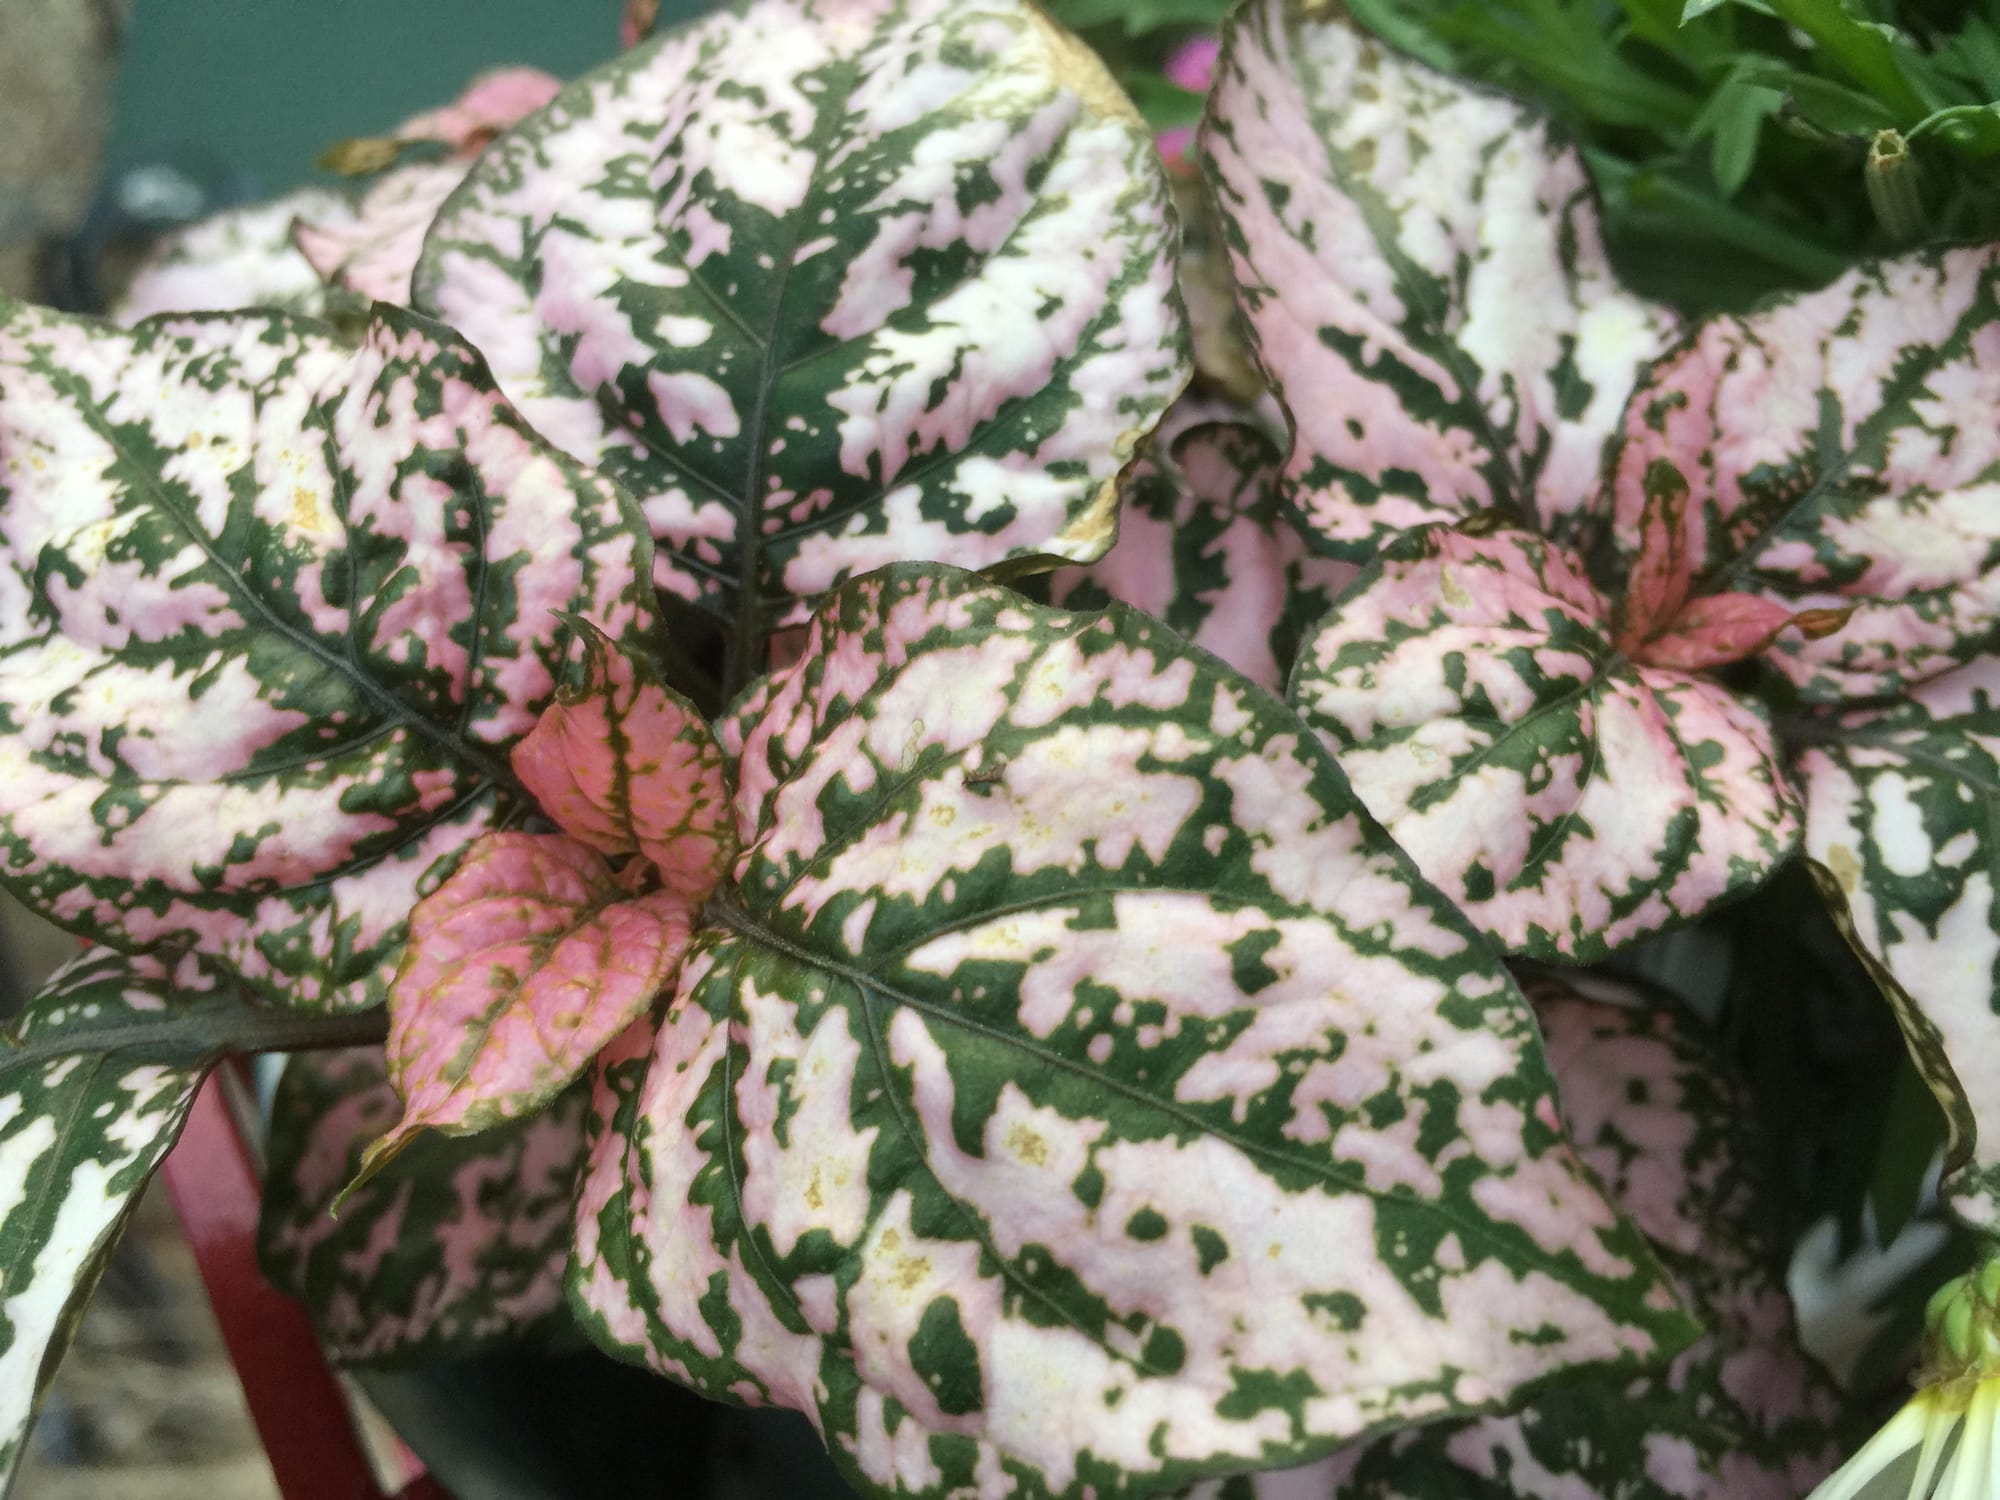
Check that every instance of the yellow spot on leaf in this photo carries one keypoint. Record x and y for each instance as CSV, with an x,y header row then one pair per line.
x,y
1845,867
1027,1145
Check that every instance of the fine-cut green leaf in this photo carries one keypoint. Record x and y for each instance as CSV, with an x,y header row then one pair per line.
x,y
829,284
96,1079
1420,265
1903,828
1743,1413
1073,1043
272,612
1570,800
454,1247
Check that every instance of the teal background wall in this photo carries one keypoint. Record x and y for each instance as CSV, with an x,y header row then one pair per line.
x,y
262,86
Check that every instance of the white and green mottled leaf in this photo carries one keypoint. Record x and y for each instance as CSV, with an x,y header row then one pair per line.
x,y
371,248
1839,453
272,613
1422,271
1072,1042
455,1247
1568,800
1205,545
1903,828
829,284
1742,1413
96,1078
241,257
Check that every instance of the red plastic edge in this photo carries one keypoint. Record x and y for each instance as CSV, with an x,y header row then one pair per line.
x,y
298,1406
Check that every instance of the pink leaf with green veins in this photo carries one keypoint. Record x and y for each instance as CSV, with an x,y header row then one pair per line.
x,y
628,766
1568,799
273,611
1075,1092
1422,271
1837,453
829,284
456,1247
1903,829
521,966
1205,545
1741,1414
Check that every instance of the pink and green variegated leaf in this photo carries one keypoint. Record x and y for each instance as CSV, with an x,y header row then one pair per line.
x,y
96,1079
1568,800
1205,545
1903,829
273,611
243,257
626,765
1838,453
455,1247
371,249
1741,1414
1072,1042
1423,275
520,967
490,103
829,284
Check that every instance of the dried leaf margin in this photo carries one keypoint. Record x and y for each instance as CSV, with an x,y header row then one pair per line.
x,y
969,822
273,610
1903,833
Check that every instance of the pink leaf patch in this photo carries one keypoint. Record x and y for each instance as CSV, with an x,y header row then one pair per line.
x,y
1205,545
456,1247
1071,1041
1741,1414
1423,275
1568,799
827,285
1834,452
628,766
372,250
520,968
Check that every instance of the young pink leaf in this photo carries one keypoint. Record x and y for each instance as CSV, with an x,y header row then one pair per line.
x,y
372,250
458,1246
491,102
1568,799
1741,1414
829,284
628,766
1071,1042
1423,275
1836,452
273,611
520,967
1205,545
1903,829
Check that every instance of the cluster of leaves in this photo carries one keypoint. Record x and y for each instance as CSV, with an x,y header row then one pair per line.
x,y
1764,143
995,1021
